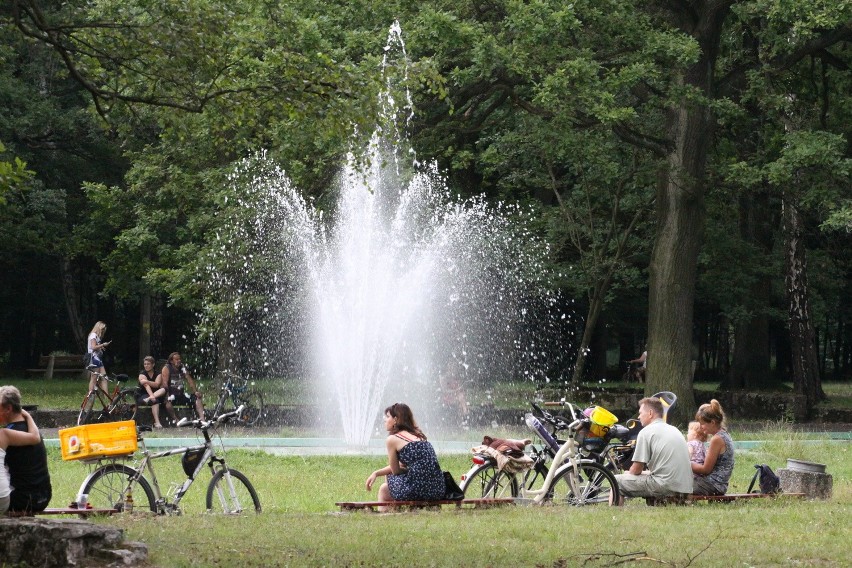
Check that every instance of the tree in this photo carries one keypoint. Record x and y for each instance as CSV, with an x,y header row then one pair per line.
x,y
187,89
656,83
12,175
46,125
538,97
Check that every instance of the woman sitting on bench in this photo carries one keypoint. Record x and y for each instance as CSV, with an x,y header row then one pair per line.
x,y
711,477
413,472
9,437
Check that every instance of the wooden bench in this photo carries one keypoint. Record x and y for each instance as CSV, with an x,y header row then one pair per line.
x,y
51,364
471,503
727,498
64,511
739,496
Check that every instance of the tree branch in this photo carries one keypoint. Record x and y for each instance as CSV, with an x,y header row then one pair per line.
x,y
813,47
659,146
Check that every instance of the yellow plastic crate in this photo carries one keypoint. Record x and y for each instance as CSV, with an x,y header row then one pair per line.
x,y
98,440
602,419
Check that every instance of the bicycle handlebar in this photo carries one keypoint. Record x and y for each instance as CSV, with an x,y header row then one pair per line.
x,y
205,424
557,422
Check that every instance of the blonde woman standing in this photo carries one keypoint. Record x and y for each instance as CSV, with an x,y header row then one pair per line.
x,y
96,347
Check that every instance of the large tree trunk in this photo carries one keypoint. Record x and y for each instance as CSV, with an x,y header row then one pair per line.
x,y
805,369
144,326
596,300
151,326
751,365
71,294
680,213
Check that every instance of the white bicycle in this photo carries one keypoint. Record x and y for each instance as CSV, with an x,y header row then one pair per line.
x,y
566,479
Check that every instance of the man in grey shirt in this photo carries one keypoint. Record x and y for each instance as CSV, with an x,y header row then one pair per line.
x,y
661,460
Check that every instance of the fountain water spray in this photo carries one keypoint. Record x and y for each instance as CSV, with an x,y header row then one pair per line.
x,y
401,283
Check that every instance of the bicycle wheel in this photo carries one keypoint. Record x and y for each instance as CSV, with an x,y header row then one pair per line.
x,y
86,409
124,406
107,485
594,485
231,494
253,411
488,482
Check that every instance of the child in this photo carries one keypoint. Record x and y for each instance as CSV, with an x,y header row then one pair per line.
x,y
695,439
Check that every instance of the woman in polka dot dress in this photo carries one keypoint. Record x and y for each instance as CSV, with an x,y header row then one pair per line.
x,y
413,472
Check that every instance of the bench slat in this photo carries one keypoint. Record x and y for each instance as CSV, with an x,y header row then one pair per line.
x,y
61,360
737,496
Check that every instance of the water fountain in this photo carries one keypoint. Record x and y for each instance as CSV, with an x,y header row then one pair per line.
x,y
402,283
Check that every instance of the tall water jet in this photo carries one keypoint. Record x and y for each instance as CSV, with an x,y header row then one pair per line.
x,y
402,282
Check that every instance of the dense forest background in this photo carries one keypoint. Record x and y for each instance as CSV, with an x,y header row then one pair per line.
x,y
688,162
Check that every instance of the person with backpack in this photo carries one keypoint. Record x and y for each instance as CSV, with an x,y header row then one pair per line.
x,y
712,476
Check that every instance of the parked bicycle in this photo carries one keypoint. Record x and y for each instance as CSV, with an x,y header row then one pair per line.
x,y
563,476
118,486
100,405
613,450
635,373
236,393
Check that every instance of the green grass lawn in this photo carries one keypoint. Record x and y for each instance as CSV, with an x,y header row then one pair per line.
x,y
300,525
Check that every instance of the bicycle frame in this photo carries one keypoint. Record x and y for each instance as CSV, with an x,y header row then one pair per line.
x,y
113,484
103,393
208,458
108,401
241,393
229,390
566,457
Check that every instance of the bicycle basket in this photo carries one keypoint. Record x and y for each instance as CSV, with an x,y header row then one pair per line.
x,y
190,461
587,439
602,419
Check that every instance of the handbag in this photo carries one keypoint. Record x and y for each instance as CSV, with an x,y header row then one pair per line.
x,y
452,492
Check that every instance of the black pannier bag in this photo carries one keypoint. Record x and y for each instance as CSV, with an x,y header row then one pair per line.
x,y
190,460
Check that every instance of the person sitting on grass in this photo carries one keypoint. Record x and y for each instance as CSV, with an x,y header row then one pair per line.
x,y
151,391
413,472
661,465
712,476
695,438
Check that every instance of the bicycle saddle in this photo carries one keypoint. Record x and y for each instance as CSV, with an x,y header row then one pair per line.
x,y
121,378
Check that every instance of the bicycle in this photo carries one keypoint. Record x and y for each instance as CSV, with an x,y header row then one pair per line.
x,y
613,450
237,390
635,373
569,478
115,406
113,485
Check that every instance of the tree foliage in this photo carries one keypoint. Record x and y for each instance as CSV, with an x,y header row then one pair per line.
x,y
655,138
